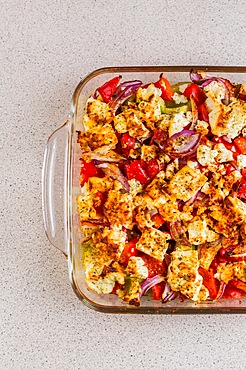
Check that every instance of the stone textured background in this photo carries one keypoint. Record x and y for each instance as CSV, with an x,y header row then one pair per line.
x,y
46,48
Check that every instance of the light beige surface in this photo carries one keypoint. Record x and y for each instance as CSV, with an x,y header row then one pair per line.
x,y
46,47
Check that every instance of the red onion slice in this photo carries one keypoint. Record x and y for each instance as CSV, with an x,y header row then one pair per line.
x,y
187,138
221,290
121,87
197,78
125,90
184,144
113,171
149,283
168,294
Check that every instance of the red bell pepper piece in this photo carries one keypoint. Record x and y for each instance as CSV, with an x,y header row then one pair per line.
x,y
209,281
130,250
196,92
158,220
134,170
233,293
154,266
166,89
127,143
151,167
89,170
240,143
203,113
157,290
107,90
238,284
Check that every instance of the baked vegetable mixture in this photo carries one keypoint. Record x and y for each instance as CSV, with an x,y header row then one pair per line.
x,y
163,189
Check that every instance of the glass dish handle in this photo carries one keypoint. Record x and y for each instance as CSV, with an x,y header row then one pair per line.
x,y
54,187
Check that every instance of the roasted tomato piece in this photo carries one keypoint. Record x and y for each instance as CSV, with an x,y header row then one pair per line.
x,y
242,190
116,287
229,169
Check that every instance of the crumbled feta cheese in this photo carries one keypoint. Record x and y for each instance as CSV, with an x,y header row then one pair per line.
x,y
135,187
192,164
106,284
178,98
206,156
224,155
207,254
136,268
119,209
172,168
241,161
145,94
217,89
97,108
202,127
177,123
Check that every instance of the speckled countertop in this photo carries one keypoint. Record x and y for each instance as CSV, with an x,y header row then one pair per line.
x,y
47,46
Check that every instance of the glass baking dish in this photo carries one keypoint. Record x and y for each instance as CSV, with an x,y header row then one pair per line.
x,y
60,187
